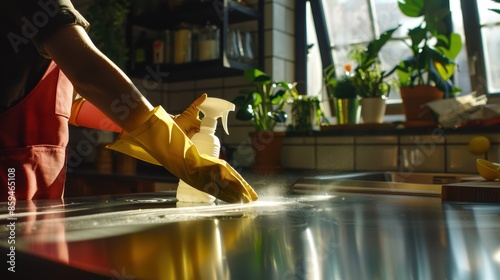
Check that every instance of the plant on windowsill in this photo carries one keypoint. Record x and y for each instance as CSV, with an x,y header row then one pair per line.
x,y
496,10
306,114
425,76
264,107
371,82
342,93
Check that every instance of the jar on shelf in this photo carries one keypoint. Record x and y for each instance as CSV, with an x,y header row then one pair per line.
x,y
208,42
182,43
158,51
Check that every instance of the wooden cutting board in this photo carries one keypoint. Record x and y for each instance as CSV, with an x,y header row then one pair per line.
x,y
481,191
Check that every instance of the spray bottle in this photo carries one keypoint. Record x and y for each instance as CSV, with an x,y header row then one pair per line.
x,y
207,143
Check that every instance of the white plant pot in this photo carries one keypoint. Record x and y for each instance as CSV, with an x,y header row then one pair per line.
x,y
372,109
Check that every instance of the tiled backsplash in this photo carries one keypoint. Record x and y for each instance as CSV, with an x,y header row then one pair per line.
x,y
411,153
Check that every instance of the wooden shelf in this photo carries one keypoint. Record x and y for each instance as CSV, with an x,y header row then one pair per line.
x,y
220,13
195,70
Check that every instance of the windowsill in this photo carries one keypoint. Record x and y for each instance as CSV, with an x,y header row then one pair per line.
x,y
396,128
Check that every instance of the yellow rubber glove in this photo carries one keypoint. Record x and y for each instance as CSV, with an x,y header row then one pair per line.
x,y
189,120
160,141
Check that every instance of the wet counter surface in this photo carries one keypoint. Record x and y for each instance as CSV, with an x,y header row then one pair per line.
x,y
332,235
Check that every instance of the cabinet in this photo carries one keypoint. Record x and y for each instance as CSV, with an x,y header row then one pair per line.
x,y
222,13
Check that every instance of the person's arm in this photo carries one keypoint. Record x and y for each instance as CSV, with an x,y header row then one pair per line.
x,y
96,78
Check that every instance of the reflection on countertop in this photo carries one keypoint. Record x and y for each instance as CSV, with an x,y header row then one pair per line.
x,y
281,236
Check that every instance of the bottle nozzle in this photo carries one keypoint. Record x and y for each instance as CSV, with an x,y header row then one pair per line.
x,y
214,108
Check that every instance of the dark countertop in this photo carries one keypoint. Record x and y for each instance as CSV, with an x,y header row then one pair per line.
x,y
281,236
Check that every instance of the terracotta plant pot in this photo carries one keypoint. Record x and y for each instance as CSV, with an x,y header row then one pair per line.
x,y
267,151
372,109
414,99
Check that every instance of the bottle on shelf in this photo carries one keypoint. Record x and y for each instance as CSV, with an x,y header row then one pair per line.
x,y
158,51
183,43
208,42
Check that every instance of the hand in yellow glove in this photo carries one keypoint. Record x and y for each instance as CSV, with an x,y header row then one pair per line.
x,y
161,141
189,120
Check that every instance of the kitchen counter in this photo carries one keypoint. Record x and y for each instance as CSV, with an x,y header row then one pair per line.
x,y
281,236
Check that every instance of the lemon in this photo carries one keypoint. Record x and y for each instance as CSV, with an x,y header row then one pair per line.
x,y
487,169
479,145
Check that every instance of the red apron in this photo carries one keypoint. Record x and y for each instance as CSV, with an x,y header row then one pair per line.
x,y
33,139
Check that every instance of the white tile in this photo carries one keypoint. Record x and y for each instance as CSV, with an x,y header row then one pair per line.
x,y
287,3
278,73
434,139
176,103
294,156
289,71
188,85
213,92
236,81
298,140
290,21
335,140
460,160
279,13
376,158
337,158
209,83
494,153
494,137
283,45
383,139
414,158
459,138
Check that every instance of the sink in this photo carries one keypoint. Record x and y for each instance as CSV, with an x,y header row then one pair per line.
x,y
407,183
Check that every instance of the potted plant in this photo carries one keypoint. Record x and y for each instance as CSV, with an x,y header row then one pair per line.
x,y
342,92
425,75
370,80
306,113
264,107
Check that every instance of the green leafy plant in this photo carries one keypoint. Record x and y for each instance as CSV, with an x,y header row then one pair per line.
x,y
369,78
496,10
432,45
343,87
106,19
306,110
264,105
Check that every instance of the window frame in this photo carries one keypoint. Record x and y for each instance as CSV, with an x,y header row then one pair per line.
x,y
473,44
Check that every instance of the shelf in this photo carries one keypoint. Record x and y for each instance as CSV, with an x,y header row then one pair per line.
x,y
192,71
221,13
205,11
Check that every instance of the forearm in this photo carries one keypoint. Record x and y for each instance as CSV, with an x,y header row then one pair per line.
x,y
96,78
84,113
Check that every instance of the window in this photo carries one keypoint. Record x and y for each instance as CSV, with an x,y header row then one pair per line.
x,y
490,27
351,22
